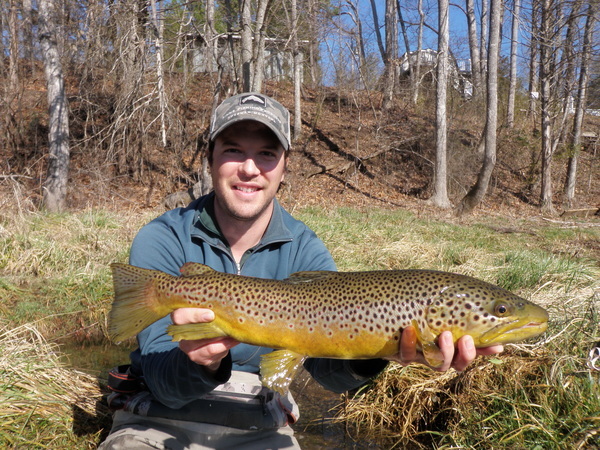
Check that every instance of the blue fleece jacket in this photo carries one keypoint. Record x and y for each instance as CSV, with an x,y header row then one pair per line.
x,y
191,235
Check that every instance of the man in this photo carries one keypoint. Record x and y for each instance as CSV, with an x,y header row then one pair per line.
x,y
206,393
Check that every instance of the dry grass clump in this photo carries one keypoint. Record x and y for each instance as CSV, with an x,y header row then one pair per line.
x,y
544,396
42,402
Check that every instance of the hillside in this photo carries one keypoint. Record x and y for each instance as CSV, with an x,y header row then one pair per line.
x,y
350,154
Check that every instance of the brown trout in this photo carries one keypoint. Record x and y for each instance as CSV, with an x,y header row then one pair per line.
x,y
349,315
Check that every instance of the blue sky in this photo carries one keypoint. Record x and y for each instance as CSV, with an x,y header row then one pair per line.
x,y
458,29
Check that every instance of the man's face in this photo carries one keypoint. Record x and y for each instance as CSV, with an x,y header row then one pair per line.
x,y
248,164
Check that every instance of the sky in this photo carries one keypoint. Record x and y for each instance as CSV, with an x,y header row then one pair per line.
x,y
458,31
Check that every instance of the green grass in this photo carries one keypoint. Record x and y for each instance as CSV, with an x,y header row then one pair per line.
x,y
54,273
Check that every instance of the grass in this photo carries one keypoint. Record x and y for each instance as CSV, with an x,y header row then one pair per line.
x,y
56,287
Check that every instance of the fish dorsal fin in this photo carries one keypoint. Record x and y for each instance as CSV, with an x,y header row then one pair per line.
x,y
190,269
308,276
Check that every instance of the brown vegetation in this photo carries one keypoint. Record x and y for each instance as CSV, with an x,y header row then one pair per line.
x,y
351,153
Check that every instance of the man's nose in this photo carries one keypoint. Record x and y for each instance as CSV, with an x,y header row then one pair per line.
x,y
249,167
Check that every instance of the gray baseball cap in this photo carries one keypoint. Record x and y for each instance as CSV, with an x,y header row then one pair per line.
x,y
252,106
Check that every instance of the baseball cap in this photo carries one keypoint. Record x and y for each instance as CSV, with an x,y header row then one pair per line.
x,y
252,106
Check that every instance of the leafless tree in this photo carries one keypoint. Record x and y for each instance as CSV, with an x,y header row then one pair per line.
x,y
546,80
569,189
474,48
55,185
391,53
514,42
534,63
417,66
297,71
440,175
479,189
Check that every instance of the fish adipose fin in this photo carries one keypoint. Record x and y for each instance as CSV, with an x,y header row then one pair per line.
x,y
431,352
192,331
135,305
278,368
308,276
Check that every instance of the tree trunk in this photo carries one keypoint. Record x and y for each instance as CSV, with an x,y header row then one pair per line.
x,y
478,191
246,41
391,53
411,61
512,90
55,185
313,46
546,126
474,48
382,51
440,175
297,72
417,78
534,65
569,191
483,38
258,50
158,31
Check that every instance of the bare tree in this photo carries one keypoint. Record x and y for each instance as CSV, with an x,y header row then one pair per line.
x,y
158,32
534,63
512,90
474,48
479,189
391,53
297,71
417,66
258,41
569,189
55,185
483,37
546,80
440,175
246,40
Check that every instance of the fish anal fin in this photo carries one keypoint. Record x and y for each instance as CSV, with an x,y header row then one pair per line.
x,y
426,340
190,269
308,276
193,331
278,368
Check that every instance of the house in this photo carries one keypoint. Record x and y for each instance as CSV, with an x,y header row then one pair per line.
x,y
277,55
460,69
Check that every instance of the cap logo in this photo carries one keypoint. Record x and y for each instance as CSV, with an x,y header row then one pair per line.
x,y
253,99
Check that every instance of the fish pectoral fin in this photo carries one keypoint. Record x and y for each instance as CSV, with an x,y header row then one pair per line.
x,y
426,340
192,331
308,276
278,368
432,354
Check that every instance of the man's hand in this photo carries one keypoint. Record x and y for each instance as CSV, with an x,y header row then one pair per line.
x,y
206,352
458,358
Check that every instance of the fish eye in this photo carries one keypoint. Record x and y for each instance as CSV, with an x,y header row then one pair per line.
x,y
501,309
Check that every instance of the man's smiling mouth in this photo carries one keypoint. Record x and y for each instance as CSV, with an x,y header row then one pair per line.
x,y
246,189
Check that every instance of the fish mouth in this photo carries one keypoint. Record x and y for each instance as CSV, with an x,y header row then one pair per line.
x,y
512,331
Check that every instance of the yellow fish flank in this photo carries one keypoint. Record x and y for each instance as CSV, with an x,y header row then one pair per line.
x,y
348,315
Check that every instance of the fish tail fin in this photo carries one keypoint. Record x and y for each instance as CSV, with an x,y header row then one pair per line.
x,y
135,305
